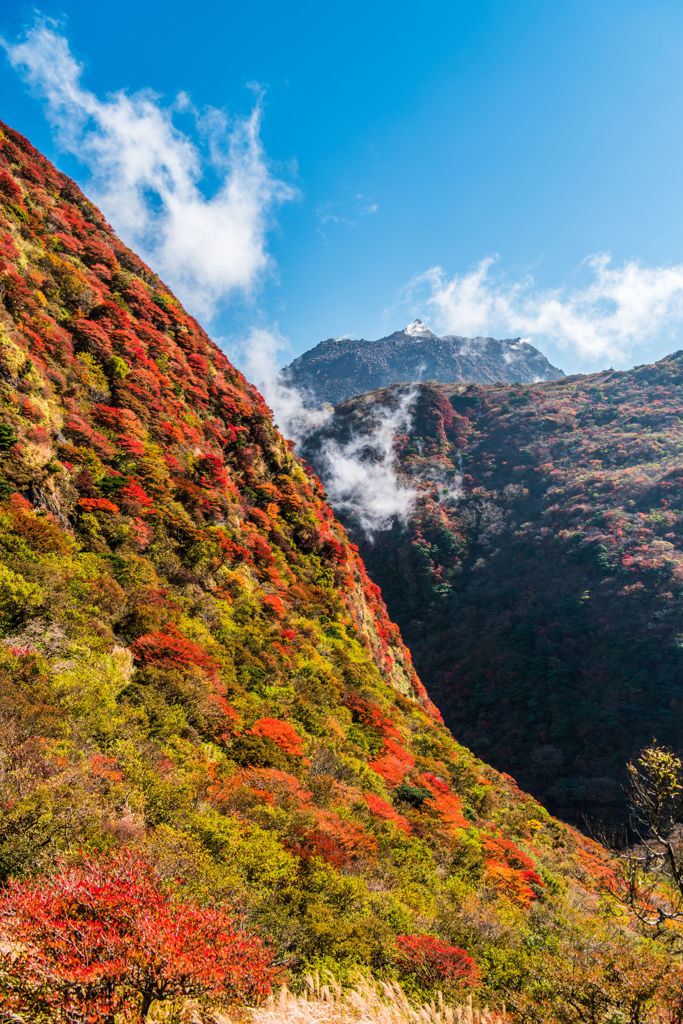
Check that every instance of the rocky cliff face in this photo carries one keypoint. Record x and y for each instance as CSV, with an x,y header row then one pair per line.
x,y
337,369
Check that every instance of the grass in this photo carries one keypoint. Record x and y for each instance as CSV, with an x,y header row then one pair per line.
x,y
369,1002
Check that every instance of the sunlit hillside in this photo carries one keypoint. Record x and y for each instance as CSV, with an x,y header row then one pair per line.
x,y
198,675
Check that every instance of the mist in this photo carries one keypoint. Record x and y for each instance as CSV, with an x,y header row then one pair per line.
x,y
360,474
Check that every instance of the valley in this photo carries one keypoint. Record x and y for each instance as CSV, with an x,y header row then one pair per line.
x,y
537,577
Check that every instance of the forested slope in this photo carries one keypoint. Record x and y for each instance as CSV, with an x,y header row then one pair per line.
x,y
195,664
539,581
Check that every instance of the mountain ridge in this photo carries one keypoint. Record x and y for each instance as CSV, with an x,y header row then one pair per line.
x,y
338,368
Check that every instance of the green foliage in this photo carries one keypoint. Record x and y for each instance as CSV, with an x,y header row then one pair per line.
x,y
18,598
195,662
8,437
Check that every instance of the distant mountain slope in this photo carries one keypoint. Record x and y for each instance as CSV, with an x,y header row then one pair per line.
x,y
539,580
193,660
339,368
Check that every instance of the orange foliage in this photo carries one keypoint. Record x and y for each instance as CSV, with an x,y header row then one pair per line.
x,y
97,505
446,804
510,870
394,764
282,733
381,809
39,532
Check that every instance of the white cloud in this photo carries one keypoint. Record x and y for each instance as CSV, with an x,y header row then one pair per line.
x,y
615,311
360,475
146,174
294,411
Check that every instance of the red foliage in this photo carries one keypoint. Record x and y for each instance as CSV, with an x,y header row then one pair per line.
x,y
394,764
97,505
83,434
142,532
381,809
432,961
168,648
93,338
261,548
9,188
130,445
134,499
338,841
105,937
38,435
370,715
282,733
273,605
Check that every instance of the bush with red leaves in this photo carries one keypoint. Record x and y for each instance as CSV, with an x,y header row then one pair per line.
x,y
282,733
168,648
97,505
106,937
381,809
433,962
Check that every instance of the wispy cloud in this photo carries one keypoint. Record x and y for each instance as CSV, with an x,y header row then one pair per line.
x,y
295,412
617,310
147,175
362,206
360,474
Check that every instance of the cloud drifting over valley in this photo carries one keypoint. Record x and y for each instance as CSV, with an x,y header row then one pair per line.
x,y
293,412
146,175
360,474
607,317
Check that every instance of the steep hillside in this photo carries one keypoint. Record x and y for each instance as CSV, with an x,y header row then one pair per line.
x,y
339,368
195,664
539,581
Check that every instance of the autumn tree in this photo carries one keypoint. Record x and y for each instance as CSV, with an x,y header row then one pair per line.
x,y
107,936
652,867
433,962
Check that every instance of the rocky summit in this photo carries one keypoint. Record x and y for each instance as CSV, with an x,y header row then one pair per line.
x,y
339,368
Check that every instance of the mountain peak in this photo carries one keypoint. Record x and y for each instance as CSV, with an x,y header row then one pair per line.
x,y
417,329
335,370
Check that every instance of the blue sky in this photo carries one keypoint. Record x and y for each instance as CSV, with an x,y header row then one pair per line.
x,y
397,147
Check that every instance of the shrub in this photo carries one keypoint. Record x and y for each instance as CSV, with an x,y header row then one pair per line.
x,y
8,437
260,751
433,962
17,597
107,936
282,733
169,648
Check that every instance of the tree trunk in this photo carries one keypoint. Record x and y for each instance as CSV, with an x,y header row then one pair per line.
x,y
146,1003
